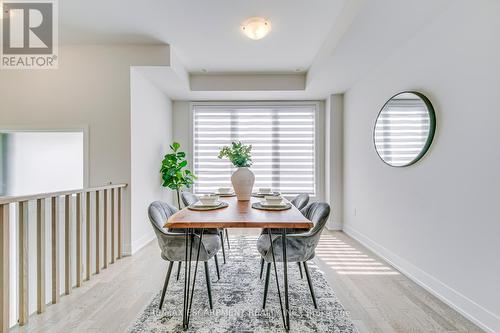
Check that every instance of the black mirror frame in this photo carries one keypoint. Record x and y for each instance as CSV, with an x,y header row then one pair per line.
x,y
432,128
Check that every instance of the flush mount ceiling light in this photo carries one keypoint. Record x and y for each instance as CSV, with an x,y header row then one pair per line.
x,y
256,27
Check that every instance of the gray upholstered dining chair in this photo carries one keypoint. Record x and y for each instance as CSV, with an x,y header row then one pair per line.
x,y
173,244
300,201
300,246
189,198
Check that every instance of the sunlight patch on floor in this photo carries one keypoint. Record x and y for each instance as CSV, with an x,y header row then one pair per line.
x,y
347,260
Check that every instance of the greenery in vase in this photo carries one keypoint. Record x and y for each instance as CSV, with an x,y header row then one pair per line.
x,y
173,172
239,154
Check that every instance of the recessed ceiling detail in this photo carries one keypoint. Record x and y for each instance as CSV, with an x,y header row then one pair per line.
x,y
322,47
207,34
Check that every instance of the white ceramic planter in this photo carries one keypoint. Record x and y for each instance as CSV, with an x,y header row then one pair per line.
x,y
243,180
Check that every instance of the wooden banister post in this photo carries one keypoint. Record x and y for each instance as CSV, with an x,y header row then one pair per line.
x,y
4,268
113,235
56,289
67,244
78,239
23,262
105,227
97,241
120,245
40,251
88,270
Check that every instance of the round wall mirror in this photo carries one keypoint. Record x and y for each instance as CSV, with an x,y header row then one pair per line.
x,y
404,129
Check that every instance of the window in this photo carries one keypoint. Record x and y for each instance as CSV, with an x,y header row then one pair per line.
x,y
282,139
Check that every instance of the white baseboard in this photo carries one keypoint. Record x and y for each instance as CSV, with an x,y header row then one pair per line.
x,y
479,315
127,249
334,226
140,243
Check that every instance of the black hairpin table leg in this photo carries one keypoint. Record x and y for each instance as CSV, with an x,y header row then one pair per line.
x,y
194,277
188,292
184,302
285,273
285,317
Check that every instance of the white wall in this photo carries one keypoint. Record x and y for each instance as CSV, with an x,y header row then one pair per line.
x,y
182,131
44,162
438,219
334,110
182,127
151,135
90,89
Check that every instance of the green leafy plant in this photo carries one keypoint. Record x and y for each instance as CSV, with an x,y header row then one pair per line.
x,y
173,172
239,154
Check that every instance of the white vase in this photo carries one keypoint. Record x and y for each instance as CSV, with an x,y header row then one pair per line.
x,y
243,180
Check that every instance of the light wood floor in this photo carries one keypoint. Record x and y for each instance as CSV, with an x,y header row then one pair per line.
x,y
378,297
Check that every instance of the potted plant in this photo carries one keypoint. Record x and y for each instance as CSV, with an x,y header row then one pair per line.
x,y
173,172
242,179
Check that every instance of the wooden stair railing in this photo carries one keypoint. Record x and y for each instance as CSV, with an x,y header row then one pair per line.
x,y
112,196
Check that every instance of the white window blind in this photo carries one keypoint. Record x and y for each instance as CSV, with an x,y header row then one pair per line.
x,y
282,139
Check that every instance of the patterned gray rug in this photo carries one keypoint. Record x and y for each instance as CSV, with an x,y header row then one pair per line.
x,y
237,298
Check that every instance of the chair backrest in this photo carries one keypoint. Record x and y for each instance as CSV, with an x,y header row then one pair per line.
x,y
158,213
317,213
300,201
188,198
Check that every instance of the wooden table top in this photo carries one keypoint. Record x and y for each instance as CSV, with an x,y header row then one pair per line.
x,y
239,214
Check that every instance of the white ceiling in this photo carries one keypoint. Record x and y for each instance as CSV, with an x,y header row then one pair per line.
x,y
334,42
206,33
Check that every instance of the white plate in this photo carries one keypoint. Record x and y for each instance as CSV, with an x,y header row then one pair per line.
x,y
268,204
228,193
200,204
272,194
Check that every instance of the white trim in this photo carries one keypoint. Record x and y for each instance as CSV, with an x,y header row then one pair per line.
x,y
127,250
480,316
84,128
191,134
334,227
140,243
319,137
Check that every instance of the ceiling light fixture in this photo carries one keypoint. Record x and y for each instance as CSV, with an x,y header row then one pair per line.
x,y
256,27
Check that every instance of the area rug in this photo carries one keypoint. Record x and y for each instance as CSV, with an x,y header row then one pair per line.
x,y
237,299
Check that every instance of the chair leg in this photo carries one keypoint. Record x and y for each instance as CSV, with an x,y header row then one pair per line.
x,y
179,269
300,269
261,268
221,235
209,286
309,282
227,238
165,285
266,285
217,267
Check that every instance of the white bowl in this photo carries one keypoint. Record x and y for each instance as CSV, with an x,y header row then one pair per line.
x,y
224,190
273,200
264,190
209,200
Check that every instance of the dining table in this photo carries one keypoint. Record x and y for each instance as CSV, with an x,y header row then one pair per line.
x,y
237,214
